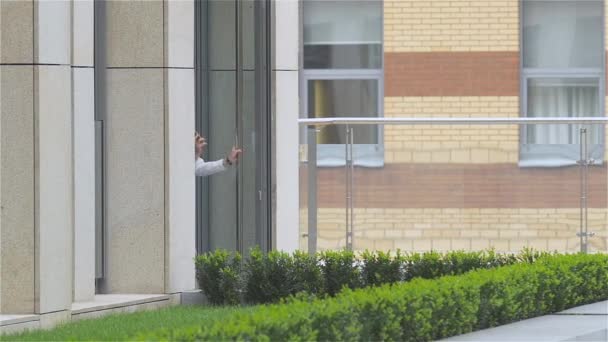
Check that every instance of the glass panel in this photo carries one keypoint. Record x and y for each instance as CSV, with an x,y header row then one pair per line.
x,y
460,188
345,56
562,34
249,22
465,190
558,145
344,98
339,22
342,34
248,165
303,190
222,186
330,188
597,194
222,34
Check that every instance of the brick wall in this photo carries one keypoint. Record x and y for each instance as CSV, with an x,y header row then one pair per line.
x,y
456,187
451,73
455,59
451,144
456,25
459,206
416,185
423,229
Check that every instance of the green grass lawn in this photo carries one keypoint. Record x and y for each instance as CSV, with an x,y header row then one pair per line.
x,y
126,326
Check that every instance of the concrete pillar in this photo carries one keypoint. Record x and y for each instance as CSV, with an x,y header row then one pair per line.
x,y
150,163
83,97
36,220
135,154
17,158
53,155
16,187
179,137
286,46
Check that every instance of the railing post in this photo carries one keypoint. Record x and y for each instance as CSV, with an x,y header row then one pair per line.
x,y
582,199
312,189
348,180
352,188
584,163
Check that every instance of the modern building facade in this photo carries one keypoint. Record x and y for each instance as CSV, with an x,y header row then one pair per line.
x,y
446,187
100,101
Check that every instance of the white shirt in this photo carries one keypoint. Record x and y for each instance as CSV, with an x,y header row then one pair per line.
x,y
204,168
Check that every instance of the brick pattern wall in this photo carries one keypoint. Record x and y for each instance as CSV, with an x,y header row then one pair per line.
x,y
451,144
451,73
457,58
458,186
455,25
423,229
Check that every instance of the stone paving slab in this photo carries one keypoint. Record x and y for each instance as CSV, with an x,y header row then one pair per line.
x,y
585,323
600,308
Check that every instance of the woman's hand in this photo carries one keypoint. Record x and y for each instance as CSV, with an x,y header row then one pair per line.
x,y
199,145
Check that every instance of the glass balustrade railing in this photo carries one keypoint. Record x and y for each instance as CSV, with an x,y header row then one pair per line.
x,y
454,184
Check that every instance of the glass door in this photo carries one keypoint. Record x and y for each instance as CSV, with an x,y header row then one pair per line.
x,y
233,110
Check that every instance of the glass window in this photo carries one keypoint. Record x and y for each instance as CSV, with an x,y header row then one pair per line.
x,y
342,21
344,98
562,76
562,34
345,56
342,75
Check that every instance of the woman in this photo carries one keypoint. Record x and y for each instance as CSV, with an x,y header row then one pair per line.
x,y
204,168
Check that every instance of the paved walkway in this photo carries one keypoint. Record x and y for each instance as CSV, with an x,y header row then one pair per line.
x,y
585,323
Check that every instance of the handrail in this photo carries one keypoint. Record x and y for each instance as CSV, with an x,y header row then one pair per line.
x,y
449,121
312,130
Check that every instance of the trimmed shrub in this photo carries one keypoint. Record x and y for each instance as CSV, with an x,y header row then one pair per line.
x,y
340,270
267,278
306,274
270,277
381,268
218,275
427,265
423,309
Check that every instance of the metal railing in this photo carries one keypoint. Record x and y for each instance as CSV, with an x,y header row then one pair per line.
x,y
449,121
313,125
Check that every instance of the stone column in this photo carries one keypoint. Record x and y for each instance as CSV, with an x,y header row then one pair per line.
x,y
135,152
286,44
150,162
179,139
37,179
83,96
17,231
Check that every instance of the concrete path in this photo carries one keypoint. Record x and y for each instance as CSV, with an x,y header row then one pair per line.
x,y
584,323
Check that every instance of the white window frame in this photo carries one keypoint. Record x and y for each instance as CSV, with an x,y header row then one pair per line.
x,y
559,73
343,74
359,150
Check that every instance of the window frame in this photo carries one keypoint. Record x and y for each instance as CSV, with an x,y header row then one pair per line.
x,y
306,75
345,74
531,73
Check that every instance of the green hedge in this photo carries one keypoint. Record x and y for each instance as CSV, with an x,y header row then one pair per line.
x,y
227,279
422,309
218,275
